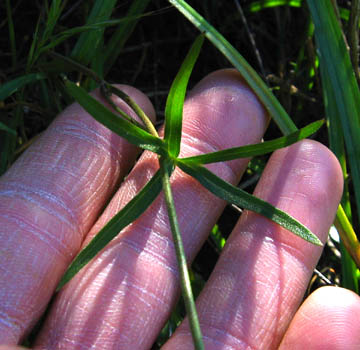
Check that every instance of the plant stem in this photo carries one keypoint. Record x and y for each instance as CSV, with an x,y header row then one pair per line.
x,y
185,283
139,112
181,259
347,235
165,165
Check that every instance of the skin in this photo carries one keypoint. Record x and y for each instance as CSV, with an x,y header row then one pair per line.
x,y
50,201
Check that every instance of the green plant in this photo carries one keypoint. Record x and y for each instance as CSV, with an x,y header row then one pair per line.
x,y
341,93
342,112
168,150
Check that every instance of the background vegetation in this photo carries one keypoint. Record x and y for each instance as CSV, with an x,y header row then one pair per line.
x,y
143,43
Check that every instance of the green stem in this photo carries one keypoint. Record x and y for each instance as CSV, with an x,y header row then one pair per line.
x,y
139,112
165,165
347,235
181,259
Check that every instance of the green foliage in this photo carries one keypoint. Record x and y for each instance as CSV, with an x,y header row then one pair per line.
x,y
265,95
257,149
235,195
342,106
176,98
219,187
93,55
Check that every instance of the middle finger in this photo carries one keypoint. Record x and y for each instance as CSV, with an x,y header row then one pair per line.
x,y
124,296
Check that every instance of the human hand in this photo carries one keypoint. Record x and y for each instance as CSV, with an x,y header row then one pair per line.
x,y
51,199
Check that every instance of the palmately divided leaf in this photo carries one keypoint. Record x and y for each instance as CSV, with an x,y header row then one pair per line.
x,y
123,128
176,97
257,149
126,216
236,196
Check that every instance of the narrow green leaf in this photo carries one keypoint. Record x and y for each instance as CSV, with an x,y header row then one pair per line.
x,y
340,79
257,149
85,47
127,215
236,196
99,26
270,102
33,52
129,131
53,16
256,6
337,145
176,97
15,85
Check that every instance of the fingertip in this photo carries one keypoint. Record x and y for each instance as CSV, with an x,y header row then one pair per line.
x,y
324,299
232,80
328,319
329,163
223,110
310,173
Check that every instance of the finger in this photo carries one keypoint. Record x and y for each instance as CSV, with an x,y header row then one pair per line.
x,y
123,297
263,271
48,201
328,319
9,347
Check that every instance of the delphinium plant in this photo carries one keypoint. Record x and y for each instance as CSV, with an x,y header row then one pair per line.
x,y
341,106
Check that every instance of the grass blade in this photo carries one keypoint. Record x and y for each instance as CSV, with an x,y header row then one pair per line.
x,y
127,215
53,16
99,26
348,236
236,196
176,97
270,102
129,131
15,85
86,46
336,140
257,149
341,80
256,6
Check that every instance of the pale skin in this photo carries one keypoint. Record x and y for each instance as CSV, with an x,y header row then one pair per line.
x,y
51,199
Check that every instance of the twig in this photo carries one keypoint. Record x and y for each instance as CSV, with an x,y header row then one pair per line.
x,y
252,39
